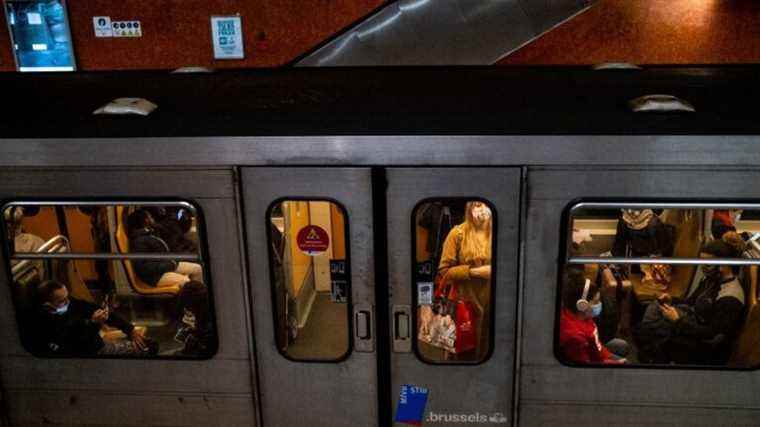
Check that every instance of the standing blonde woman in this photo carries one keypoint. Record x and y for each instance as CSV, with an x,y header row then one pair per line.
x,y
466,261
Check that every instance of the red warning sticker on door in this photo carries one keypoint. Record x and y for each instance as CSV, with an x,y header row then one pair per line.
x,y
313,240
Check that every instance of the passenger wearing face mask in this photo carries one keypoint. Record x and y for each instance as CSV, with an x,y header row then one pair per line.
x,y
578,334
70,327
641,233
466,262
701,328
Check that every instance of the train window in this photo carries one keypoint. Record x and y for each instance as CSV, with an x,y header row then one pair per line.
x,y
671,284
453,279
310,276
110,279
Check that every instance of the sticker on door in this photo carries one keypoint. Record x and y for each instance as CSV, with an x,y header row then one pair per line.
x,y
313,240
411,404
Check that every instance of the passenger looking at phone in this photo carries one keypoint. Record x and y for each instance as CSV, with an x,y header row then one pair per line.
x,y
143,237
701,328
67,326
578,334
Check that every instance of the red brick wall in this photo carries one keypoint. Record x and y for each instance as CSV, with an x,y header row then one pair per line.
x,y
178,33
652,32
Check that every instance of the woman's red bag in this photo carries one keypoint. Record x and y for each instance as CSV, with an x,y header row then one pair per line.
x,y
463,312
467,337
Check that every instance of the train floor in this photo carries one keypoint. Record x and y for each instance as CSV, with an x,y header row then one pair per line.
x,y
318,339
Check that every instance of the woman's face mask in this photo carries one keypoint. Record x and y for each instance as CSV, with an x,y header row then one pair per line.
x,y
481,213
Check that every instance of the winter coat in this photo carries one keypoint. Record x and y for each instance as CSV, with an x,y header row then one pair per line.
x,y
150,271
579,340
472,289
72,333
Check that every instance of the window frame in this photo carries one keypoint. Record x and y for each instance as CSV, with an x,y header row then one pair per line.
x,y
494,276
202,258
564,259
270,263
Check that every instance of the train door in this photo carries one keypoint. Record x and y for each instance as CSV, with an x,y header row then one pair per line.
x,y
452,254
310,238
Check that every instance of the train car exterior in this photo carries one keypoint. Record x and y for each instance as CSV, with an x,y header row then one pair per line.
x,y
336,169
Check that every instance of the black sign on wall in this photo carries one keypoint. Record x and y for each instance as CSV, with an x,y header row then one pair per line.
x,y
423,277
338,280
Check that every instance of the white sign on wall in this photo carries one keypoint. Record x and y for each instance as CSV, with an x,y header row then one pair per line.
x,y
127,28
227,37
102,26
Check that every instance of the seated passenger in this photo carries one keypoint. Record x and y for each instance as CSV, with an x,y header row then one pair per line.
x,y
700,328
143,237
67,326
172,224
578,334
196,331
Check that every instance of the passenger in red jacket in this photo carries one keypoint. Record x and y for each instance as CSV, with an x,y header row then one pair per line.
x,y
578,336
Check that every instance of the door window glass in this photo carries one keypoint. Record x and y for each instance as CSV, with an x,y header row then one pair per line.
x,y
672,284
453,279
310,279
110,279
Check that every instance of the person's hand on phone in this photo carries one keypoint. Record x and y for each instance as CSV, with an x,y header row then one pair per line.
x,y
138,340
669,312
664,298
100,316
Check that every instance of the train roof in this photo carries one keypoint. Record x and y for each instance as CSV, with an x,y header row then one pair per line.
x,y
383,101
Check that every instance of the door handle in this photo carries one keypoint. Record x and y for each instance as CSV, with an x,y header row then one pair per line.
x,y
363,321
402,328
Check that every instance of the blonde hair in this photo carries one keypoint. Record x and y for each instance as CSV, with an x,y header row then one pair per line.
x,y
474,249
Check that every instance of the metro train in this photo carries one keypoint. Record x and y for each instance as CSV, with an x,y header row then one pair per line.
x,y
381,246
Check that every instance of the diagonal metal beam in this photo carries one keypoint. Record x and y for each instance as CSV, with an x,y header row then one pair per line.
x,y
444,32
